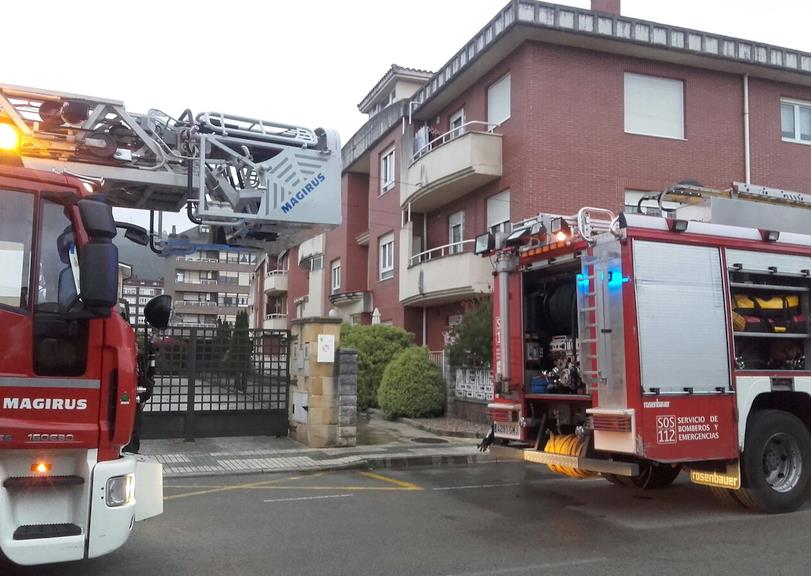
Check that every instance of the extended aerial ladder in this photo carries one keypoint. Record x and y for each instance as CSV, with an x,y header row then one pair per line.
x,y
262,182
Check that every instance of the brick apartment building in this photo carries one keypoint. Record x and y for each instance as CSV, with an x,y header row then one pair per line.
x,y
547,108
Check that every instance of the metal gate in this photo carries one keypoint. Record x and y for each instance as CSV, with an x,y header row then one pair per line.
x,y
218,381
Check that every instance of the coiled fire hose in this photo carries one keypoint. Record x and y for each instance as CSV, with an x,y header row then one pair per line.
x,y
567,445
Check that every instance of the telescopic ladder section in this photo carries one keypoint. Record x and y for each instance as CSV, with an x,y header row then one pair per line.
x,y
256,176
692,194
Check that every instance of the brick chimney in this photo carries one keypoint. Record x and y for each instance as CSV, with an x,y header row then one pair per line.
x,y
607,6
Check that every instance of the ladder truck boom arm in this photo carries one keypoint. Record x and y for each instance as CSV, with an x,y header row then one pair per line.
x,y
263,181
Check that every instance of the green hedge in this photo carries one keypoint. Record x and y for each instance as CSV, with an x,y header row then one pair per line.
x,y
412,386
376,346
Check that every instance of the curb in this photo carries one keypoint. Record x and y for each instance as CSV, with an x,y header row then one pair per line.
x,y
439,431
393,462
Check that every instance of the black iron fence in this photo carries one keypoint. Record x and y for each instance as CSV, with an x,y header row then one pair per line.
x,y
217,381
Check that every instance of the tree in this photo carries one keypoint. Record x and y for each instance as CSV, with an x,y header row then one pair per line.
x,y
239,352
472,339
376,346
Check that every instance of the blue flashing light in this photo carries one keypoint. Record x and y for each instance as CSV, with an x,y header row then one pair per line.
x,y
583,282
616,279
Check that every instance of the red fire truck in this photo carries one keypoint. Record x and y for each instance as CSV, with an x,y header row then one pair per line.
x,y
638,345
70,374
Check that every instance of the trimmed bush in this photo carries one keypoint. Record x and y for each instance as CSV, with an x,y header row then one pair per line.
x,y
412,386
376,346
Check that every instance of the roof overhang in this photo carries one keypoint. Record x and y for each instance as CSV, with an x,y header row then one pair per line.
x,y
528,20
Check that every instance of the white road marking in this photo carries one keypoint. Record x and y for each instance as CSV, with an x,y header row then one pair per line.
x,y
534,568
475,486
309,498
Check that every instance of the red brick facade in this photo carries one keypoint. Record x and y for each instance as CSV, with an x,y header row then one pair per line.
x,y
564,147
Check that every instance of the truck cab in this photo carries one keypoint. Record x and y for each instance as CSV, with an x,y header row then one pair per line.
x,y
67,374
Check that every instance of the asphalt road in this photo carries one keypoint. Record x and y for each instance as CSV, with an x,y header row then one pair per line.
x,y
500,519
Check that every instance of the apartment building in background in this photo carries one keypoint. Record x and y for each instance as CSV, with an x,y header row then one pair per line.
x,y
212,282
136,292
547,108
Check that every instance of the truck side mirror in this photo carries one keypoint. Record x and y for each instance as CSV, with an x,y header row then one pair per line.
x,y
98,265
158,311
134,233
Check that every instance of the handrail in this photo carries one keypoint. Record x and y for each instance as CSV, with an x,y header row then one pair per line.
x,y
451,134
275,316
426,255
277,272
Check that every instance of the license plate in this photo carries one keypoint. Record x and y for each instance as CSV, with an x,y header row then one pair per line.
x,y
508,430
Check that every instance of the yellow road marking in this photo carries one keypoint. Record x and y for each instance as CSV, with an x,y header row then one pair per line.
x,y
349,488
222,489
203,489
401,483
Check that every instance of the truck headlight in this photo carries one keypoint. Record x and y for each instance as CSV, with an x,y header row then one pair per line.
x,y
120,490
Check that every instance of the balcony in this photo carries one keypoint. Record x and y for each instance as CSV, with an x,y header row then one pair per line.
x,y
451,166
445,274
276,282
275,322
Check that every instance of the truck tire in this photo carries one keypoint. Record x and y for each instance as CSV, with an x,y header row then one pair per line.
x,y
652,476
776,462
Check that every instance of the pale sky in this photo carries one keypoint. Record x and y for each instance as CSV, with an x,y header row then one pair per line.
x,y
294,62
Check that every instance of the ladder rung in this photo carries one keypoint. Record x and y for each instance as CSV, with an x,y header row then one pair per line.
x,y
588,340
589,309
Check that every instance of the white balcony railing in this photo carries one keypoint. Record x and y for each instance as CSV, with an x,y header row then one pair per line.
x,y
444,274
276,281
439,252
452,165
451,135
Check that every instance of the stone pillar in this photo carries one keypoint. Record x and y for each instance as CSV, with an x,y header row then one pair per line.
x,y
315,396
347,374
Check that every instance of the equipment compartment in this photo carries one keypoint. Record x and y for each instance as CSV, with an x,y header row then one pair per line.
x,y
770,320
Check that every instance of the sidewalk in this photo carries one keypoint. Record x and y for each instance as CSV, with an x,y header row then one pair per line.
x,y
382,444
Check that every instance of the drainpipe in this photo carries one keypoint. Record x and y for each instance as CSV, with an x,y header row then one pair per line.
x,y
746,154
424,326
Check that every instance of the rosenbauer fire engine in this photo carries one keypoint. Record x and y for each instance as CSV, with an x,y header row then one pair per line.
x,y
70,375
637,345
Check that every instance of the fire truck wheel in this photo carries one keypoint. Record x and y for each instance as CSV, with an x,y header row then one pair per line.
x,y
651,476
727,497
618,480
776,462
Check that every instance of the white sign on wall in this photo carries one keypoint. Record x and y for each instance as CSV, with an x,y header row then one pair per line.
x,y
326,348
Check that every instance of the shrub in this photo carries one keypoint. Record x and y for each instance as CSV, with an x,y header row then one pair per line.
x,y
472,339
376,346
412,386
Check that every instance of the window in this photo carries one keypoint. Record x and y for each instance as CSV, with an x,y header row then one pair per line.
x,y
456,231
387,171
386,251
795,120
498,101
16,228
129,290
335,276
456,124
654,106
180,277
498,212
317,263
57,286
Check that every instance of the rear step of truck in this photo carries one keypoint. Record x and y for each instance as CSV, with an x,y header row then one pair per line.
x,y
40,531
41,481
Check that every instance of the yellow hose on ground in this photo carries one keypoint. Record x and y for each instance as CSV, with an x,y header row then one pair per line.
x,y
566,445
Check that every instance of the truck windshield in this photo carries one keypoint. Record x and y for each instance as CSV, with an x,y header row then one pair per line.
x,y
16,226
57,284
